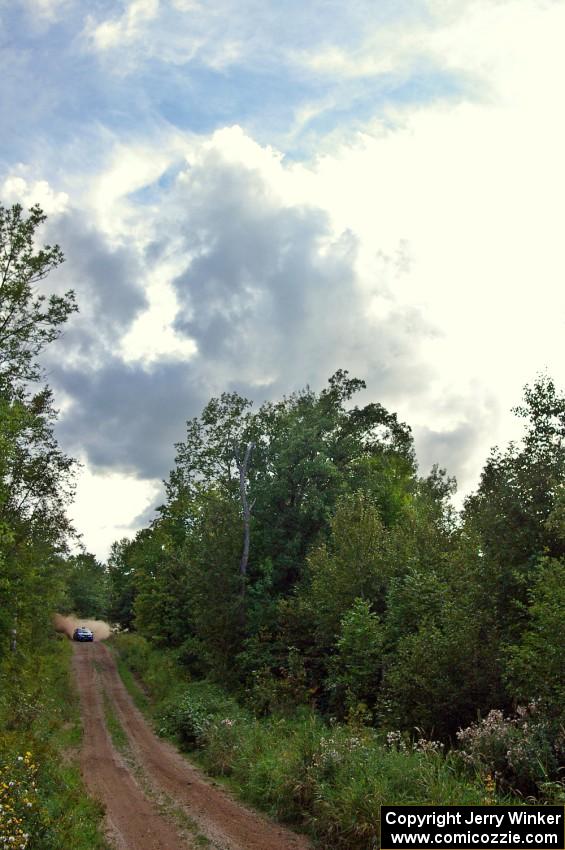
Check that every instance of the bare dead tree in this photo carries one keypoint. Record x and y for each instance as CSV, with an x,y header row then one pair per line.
x,y
247,507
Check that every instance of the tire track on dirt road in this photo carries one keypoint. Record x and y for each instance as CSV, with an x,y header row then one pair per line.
x,y
133,822
226,823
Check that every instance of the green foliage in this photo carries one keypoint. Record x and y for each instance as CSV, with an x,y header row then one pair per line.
x,y
430,683
366,596
159,575
354,564
121,574
35,487
87,587
355,669
40,720
216,589
309,450
160,669
442,665
536,665
515,510
29,319
135,650
388,479
191,715
35,476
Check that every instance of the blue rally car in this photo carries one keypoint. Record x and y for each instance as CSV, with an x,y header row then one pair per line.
x,y
82,633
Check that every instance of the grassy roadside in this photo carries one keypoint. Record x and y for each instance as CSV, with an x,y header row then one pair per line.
x,y
327,780
46,807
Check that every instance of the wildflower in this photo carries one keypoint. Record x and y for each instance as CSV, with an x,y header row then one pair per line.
x,y
395,741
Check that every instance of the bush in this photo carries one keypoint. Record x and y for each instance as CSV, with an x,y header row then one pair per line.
x,y
134,650
191,716
522,753
159,669
222,740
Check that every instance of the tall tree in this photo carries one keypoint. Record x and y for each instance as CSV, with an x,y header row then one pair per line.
x,y
35,476
516,507
29,318
246,506
87,585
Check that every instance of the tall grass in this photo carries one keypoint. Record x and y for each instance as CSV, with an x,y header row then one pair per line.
x,y
40,735
157,670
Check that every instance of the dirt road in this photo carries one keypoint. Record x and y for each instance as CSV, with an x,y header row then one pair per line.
x,y
154,799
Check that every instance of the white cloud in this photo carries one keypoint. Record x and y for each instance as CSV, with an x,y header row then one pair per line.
x,y
151,337
46,11
253,33
18,189
337,62
118,32
129,167
105,505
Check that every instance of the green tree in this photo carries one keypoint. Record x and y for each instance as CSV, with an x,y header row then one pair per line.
x,y
36,482
317,449
536,665
35,476
162,587
29,319
442,660
87,586
516,508
354,564
355,669
211,556
310,450
122,587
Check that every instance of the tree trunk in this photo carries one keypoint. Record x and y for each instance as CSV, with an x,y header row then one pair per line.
x,y
243,467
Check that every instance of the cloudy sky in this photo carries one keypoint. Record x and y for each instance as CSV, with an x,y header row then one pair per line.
x,y
251,194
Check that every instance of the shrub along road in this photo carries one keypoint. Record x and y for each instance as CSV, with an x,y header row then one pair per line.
x,y
136,820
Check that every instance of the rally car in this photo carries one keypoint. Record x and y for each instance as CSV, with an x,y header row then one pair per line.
x,y
82,633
